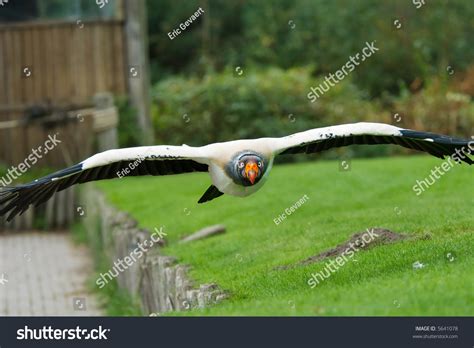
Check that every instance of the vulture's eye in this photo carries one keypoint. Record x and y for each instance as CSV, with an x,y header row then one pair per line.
x,y
241,165
259,164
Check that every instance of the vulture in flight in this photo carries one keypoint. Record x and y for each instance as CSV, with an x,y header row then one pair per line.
x,y
237,168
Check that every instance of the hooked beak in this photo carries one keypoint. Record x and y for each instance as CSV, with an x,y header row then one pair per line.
x,y
251,171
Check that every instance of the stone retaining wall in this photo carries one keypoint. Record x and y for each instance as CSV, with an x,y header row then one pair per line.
x,y
158,281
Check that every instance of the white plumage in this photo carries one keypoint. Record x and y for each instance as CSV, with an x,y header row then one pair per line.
x,y
238,167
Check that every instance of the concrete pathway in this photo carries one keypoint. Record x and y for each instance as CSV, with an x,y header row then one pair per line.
x,y
44,274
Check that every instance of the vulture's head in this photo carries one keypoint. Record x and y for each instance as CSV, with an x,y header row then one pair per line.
x,y
247,168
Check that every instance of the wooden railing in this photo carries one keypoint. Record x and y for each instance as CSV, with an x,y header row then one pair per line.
x,y
60,64
78,130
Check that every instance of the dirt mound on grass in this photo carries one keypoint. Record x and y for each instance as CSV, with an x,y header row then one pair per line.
x,y
380,236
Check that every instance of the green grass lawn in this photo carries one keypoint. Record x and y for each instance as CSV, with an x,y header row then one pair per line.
x,y
375,193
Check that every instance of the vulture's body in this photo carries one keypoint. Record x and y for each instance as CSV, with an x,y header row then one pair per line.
x,y
237,168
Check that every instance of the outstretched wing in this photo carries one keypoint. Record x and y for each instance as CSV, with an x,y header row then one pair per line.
x,y
321,139
135,161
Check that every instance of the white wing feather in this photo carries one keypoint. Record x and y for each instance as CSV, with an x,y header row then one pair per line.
x,y
160,152
312,135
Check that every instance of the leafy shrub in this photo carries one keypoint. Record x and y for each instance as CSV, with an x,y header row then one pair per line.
x,y
129,133
438,109
267,103
274,103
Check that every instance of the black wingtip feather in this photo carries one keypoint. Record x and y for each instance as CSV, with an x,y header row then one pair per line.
x,y
437,145
438,138
16,200
443,146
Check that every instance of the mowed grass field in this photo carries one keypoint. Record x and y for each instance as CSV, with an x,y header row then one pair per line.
x,y
374,193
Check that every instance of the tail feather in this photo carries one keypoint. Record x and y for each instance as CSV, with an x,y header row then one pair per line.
x,y
211,193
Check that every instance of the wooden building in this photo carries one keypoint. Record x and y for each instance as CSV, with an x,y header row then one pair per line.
x,y
51,69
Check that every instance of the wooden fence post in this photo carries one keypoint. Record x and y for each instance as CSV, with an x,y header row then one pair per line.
x,y
137,69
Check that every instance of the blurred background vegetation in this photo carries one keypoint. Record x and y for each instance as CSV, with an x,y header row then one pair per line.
x,y
421,77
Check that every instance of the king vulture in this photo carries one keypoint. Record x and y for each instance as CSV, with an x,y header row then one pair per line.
x,y
237,168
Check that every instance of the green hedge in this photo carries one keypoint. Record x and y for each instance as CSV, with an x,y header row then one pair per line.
x,y
273,102
258,103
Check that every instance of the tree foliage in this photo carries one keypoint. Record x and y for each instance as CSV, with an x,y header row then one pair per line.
x,y
319,33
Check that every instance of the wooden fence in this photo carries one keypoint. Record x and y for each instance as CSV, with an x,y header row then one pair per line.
x,y
66,62
59,65
77,130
